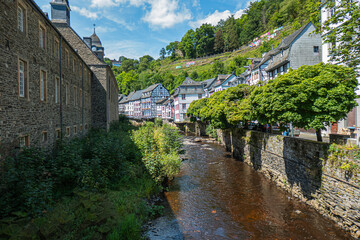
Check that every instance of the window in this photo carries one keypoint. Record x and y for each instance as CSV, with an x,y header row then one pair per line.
x,y
81,128
44,137
58,133
21,18
42,37
184,106
56,48
80,98
86,126
200,96
23,84
80,68
316,49
57,90
75,96
24,141
43,86
67,94
183,96
74,64
67,131
67,60
75,129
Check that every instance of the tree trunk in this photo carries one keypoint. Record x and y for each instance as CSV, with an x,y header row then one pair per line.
x,y
318,135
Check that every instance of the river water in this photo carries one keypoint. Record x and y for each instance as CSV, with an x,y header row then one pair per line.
x,y
217,197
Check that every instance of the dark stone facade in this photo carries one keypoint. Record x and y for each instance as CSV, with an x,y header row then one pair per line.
x,y
89,94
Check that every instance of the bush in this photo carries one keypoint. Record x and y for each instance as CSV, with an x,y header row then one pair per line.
x,y
211,131
159,146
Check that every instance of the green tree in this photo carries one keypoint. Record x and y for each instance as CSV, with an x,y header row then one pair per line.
x,y
188,44
309,97
204,40
231,34
342,31
162,53
219,44
218,68
172,48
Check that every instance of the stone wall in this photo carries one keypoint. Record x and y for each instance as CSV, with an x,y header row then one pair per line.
x,y
30,116
300,167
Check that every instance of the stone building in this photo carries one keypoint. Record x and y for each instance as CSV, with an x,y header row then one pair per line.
x,y
105,101
51,84
45,85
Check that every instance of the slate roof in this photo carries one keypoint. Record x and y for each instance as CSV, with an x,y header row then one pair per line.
x,y
162,101
151,88
124,100
285,43
222,79
189,82
208,83
289,39
190,86
136,95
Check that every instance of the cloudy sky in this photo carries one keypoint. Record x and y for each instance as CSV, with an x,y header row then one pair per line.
x,y
134,28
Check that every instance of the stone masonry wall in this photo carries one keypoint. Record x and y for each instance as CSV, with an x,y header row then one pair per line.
x,y
304,169
299,166
29,116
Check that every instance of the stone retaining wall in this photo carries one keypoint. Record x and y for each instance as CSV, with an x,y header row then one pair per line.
x,y
299,166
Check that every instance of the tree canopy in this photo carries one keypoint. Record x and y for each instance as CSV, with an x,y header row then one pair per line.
x,y
343,33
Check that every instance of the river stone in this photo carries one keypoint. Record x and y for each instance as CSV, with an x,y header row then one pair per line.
x,y
197,140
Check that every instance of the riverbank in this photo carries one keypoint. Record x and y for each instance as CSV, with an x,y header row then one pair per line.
x,y
216,197
94,187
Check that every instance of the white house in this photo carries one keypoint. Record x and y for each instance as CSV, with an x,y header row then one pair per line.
x,y
353,118
223,82
187,92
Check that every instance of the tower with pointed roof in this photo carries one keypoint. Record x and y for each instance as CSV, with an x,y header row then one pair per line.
x,y
60,11
95,45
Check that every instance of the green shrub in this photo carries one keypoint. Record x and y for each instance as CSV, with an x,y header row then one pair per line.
x,y
159,146
211,131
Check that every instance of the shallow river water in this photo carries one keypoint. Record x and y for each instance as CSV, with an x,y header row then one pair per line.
x,y
217,197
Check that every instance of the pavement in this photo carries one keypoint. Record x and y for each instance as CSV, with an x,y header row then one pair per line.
x,y
312,136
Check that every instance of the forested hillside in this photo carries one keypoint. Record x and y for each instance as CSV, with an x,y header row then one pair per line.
x,y
228,39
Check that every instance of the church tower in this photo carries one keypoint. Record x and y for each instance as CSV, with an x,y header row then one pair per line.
x,y
60,11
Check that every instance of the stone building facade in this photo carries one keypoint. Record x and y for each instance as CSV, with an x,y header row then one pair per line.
x,y
47,88
104,86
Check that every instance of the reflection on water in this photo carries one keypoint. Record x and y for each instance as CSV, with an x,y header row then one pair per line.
x,y
216,197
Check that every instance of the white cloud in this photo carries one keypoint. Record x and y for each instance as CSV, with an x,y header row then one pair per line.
x,y
212,19
131,49
85,12
215,17
166,13
113,3
239,13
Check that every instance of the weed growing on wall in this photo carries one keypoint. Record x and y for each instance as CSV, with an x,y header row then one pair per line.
x,y
346,159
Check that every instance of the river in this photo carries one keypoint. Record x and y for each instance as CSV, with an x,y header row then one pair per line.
x,y
216,197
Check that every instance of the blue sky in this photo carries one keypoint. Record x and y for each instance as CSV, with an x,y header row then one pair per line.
x,y
134,28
